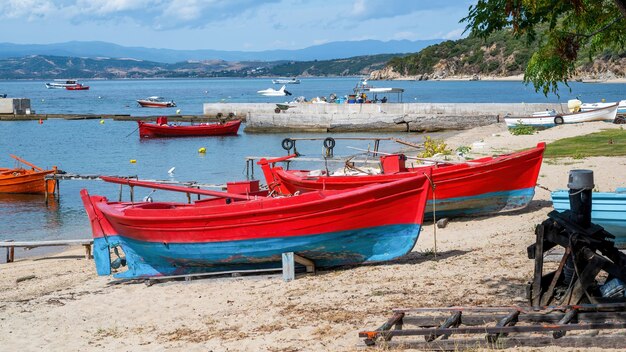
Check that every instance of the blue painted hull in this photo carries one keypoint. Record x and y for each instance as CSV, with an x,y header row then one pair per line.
x,y
607,210
146,259
487,203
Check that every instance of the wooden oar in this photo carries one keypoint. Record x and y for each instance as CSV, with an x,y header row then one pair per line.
x,y
414,158
26,162
125,181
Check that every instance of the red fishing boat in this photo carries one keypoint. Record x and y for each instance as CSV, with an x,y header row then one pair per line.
x,y
232,230
78,86
21,180
163,129
481,186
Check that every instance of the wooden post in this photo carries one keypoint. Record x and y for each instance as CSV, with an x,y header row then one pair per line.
x,y
535,298
10,253
88,251
57,188
46,190
289,267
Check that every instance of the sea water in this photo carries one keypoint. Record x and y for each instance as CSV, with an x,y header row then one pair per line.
x,y
91,147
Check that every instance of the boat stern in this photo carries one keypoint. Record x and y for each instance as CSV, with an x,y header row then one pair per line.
x,y
101,230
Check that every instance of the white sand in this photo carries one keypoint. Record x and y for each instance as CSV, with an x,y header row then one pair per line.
x,y
480,261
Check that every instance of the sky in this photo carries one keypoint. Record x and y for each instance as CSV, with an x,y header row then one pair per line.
x,y
246,25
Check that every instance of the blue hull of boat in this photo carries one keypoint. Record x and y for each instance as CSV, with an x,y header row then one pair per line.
x,y
607,210
487,203
148,259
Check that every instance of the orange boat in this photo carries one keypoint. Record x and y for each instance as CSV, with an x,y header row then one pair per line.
x,y
21,180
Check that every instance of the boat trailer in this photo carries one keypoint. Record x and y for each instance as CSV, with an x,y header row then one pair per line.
x,y
568,306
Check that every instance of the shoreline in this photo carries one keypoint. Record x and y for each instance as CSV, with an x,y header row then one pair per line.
x,y
480,261
514,78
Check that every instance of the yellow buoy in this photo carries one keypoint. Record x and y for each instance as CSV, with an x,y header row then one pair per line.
x,y
202,150
102,122
132,161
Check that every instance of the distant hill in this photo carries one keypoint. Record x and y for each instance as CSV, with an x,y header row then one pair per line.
x,y
499,55
49,67
328,51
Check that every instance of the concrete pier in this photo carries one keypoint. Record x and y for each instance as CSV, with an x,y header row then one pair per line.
x,y
261,117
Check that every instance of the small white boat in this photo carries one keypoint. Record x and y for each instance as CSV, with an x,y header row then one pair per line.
x,y
63,84
603,114
286,81
271,92
156,102
621,107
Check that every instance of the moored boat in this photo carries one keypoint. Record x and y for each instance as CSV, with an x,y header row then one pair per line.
x,y
608,209
374,223
156,102
62,83
603,114
286,81
27,181
78,86
482,186
163,129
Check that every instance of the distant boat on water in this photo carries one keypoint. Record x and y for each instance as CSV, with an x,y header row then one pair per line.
x,y
271,92
156,102
286,81
63,84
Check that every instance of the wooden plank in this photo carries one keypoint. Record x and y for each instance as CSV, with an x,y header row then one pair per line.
x,y
308,263
507,309
604,341
483,319
545,299
507,329
33,244
216,273
535,297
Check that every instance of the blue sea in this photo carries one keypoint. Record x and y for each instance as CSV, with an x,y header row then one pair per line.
x,y
89,147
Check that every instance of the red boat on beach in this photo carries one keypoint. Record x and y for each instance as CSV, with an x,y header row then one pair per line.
x,y
237,231
27,181
163,129
481,186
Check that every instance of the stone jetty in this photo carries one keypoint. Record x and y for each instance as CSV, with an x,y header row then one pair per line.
x,y
266,117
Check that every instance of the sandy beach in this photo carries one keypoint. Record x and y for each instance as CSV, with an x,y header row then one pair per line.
x,y
480,261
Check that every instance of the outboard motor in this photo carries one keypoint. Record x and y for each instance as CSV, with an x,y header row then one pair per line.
x,y
580,185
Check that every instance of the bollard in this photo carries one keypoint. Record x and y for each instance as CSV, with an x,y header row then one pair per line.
x,y
580,185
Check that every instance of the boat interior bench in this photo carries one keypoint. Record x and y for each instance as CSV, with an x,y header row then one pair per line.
x,y
10,246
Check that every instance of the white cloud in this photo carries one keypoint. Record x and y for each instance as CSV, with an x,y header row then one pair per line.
x,y
454,34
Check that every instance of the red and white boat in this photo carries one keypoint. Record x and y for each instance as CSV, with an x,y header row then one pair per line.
x,y
156,102
477,187
78,86
63,84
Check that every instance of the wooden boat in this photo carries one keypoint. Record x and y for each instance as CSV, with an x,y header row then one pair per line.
x,y
603,114
21,180
152,130
78,86
482,186
608,209
374,223
156,102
